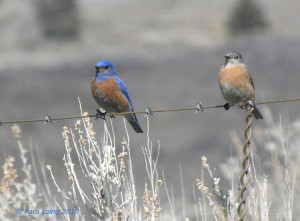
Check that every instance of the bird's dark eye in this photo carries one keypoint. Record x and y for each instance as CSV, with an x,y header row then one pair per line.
x,y
106,68
237,57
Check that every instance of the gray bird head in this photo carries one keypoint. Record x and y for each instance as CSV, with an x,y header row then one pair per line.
x,y
233,58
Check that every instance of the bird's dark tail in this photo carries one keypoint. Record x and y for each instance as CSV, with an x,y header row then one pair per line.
x,y
256,113
134,123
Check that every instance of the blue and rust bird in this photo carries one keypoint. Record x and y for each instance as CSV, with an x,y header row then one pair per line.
x,y
236,83
110,93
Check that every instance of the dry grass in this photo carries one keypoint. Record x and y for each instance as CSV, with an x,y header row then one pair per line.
x,y
108,189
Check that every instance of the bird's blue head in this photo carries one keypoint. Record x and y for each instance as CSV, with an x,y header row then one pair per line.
x,y
105,69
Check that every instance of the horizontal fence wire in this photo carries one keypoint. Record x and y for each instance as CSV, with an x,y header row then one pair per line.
x,y
197,108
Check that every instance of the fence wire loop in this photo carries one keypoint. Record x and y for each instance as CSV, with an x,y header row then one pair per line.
x,y
199,108
148,111
48,119
245,176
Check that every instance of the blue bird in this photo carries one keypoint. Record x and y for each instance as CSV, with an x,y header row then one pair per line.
x,y
110,93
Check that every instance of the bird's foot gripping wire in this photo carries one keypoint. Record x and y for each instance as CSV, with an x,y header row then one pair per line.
x,y
250,103
241,105
100,114
226,106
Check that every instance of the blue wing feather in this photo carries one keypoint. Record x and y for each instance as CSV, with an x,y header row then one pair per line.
x,y
131,118
123,90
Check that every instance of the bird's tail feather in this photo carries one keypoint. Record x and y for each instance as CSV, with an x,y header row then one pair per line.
x,y
134,123
256,113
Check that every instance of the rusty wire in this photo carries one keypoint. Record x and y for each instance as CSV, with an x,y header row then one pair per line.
x,y
197,108
245,176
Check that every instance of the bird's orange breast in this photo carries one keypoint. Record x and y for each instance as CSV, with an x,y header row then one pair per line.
x,y
109,91
236,77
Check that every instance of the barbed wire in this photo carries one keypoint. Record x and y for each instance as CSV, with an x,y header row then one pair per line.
x,y
197,108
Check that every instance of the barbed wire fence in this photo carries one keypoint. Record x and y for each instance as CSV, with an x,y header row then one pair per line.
x,y
249,106
199,107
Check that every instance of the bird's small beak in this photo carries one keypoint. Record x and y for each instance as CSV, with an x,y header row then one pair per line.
x,y
226,56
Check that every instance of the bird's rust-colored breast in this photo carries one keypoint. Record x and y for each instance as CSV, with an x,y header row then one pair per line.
x,y
237,77
110,90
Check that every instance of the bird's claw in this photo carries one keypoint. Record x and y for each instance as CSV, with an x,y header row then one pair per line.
x,y
251,103
241,105
226,106
100,114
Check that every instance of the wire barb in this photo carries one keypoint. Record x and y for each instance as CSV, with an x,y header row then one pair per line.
x,y
48,119
148,111
199,108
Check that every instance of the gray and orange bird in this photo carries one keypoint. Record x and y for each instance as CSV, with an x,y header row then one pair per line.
x,y
236,83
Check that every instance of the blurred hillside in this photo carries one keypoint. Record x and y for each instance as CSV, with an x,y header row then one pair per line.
x,y
167,52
